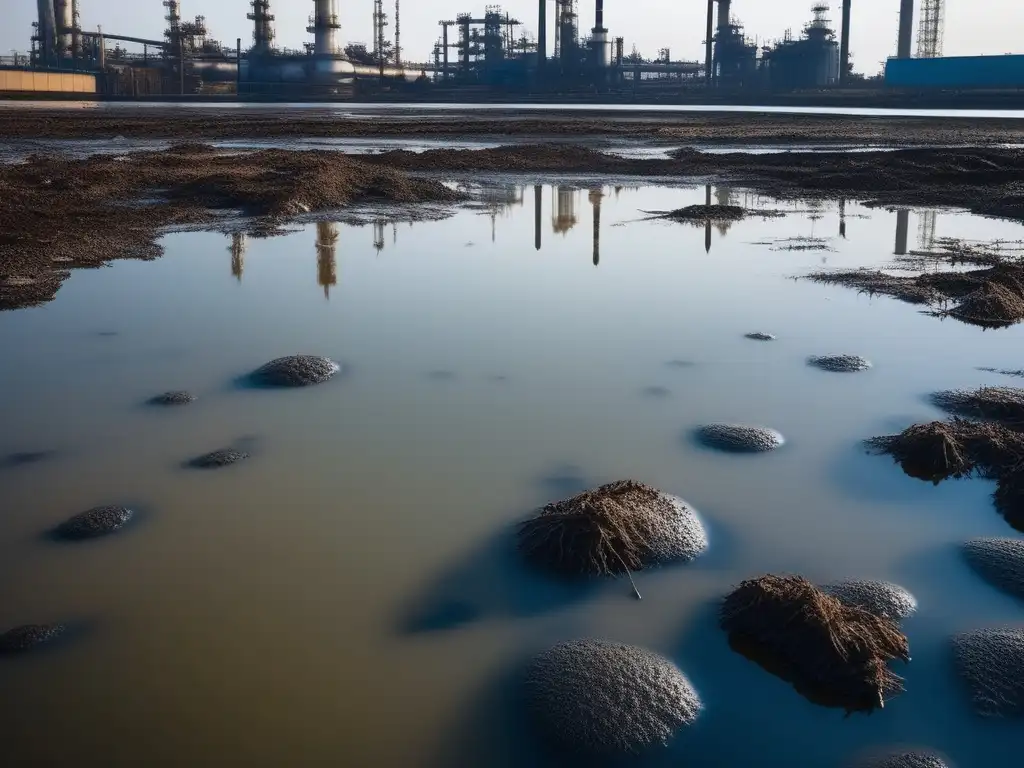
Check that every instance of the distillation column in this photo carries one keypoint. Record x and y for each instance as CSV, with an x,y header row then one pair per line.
x,y
65,20
325,27
47,31
599,37
844,44
542,33
709,42
906,29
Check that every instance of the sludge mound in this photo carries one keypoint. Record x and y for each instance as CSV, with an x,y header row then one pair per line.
x,y
29,637
736,438
223,457
99,521
702,214
1000,562
619,527
839,363
1002,404
295,371
904,760
889,601
991,662
833,654
172,398
605,699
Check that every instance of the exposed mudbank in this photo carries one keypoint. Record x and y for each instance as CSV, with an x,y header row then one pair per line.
x,y
760,336
29,637
736,438
833,653
172,398
99,521
222,457
702,214
839,363
991,662
903,760
295,371
606,699
57,214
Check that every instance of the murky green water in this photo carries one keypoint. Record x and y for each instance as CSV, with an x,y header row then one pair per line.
x,y
344,598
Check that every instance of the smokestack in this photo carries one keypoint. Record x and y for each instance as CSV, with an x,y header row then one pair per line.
x,y
47,30
724,10
542,33
325,27
708,61
65,20
844,46
599,15
906,29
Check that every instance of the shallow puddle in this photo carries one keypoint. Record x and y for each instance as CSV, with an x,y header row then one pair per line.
x,y
345,594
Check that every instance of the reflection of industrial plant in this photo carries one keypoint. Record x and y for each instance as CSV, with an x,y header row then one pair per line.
x,y
475,52
563,218
326,256
595,197
237,249
499,200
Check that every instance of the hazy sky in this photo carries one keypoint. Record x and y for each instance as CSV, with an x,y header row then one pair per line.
x,y
650,24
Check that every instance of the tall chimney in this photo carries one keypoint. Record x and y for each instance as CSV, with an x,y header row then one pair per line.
x,y
708,61
844,45
65,20
47,31
542,33
906,29
724,10
599,16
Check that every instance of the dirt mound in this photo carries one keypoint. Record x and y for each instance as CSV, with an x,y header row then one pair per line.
x,y
295,371
607,699
832,653
702,214
760,336
999,561
991,662
1002,404
619,527
29,637
173,398
904,760
878,597
839,363
92,523
736,438
58,213
220,458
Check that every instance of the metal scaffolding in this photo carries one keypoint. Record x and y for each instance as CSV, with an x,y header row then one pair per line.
x,y
929,32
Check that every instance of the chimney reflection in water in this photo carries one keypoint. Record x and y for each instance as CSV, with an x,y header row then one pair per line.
x,y
326,256
237,251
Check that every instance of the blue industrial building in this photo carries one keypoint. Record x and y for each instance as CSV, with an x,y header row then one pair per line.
x,y
956,72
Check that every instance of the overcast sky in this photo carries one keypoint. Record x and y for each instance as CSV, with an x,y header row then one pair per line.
x,y
649,24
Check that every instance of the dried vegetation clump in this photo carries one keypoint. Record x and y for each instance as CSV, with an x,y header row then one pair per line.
x,y
881,598
833,653
57,213
606,699
1001,404
619,527
991,662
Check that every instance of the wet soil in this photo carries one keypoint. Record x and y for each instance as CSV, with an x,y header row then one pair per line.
x,y
183,122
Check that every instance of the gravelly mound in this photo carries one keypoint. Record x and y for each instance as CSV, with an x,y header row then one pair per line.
x,y
1002,404
879,597
737,438
606,699
626,524
999,561
98,521
295,371
29,637
173,398
220,458
904,760
839,363
991,661
760,336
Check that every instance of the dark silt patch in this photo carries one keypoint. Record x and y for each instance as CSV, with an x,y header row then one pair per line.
x,y
881,598
760,336
294,371
839,363
999,561
603,699
701,214
991,663
25,458
737,438
29,637
656,392
95,522
222,457
915,759
172,398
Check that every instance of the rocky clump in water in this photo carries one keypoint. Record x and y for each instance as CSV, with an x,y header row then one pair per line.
x,y
833,653
606,699
991,662
999,561
173,398
295,371
1002,404
619,527
93,523
839,363
219,458
878,597
29,637
904,760
701,214
737,438
760,336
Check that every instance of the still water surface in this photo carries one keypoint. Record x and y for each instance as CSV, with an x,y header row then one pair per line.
x,y
344,597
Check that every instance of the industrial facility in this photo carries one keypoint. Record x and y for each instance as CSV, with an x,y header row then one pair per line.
x,y
477,53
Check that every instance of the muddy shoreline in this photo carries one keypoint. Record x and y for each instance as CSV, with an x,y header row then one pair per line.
x,y
185,122
58,213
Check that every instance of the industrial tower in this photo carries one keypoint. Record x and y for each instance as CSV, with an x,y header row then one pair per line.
x,y
929,31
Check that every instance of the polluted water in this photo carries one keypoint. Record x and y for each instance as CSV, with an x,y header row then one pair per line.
x,y
350,592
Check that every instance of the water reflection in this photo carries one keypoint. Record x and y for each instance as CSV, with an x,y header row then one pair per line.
x,y
538,204
902,230
326,260
239,242
842,218
595,201
564,217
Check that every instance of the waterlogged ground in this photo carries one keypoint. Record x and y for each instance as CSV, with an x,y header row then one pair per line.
x,y
341,596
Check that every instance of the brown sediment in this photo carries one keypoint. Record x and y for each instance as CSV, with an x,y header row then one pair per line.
x,y
833,653
702,214
56,214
